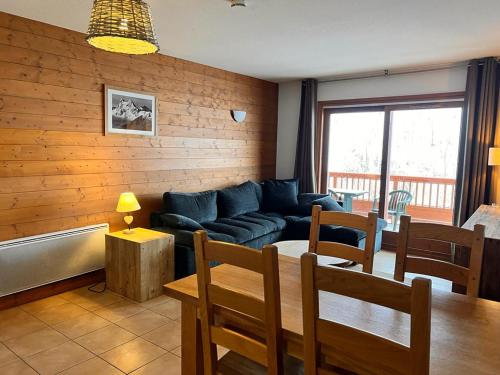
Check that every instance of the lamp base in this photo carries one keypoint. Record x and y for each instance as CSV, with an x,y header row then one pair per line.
x,y
128,220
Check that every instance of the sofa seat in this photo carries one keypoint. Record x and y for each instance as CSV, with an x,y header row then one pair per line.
x,y
244,228
298,228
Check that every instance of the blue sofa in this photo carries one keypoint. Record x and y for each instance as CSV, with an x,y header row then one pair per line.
x,y
251,214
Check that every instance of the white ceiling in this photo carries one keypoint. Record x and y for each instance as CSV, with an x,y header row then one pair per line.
x,y
288,39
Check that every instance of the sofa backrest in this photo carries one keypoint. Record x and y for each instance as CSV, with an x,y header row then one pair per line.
x,y
200,207
238,200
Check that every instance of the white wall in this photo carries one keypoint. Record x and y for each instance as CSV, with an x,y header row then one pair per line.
x,y
446,80
288,124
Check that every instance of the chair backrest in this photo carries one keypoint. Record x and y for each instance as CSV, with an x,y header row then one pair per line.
x,y
417,232
340,250
213,297
399,199
354,349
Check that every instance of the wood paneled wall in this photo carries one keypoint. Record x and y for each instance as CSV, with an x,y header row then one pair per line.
x,y
58,170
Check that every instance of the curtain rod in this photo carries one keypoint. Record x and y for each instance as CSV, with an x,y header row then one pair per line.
x,y
387,72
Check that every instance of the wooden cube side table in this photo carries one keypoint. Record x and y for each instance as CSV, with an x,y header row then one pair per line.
x,y
140,263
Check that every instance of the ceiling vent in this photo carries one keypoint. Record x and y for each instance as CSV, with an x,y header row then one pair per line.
x,y
238,3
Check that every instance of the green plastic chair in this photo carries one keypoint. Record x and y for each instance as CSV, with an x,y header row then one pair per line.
x,y
398,201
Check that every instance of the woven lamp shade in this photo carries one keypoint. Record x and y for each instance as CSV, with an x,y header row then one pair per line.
x,y
122,26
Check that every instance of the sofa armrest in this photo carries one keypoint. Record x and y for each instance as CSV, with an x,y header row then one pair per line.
x,y
305,200
155,219
310,196
179,222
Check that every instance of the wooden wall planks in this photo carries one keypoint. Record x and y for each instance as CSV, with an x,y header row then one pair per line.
x,y
58,170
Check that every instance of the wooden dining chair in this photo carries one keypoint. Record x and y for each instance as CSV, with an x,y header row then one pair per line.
x,y
340,250
329,345
212,296
411,233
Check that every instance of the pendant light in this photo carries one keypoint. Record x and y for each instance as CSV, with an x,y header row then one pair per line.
x,y
122,26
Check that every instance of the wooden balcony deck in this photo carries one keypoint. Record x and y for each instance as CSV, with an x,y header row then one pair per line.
x,y
432,197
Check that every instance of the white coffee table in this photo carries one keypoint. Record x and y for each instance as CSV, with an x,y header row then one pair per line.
x,y
296,248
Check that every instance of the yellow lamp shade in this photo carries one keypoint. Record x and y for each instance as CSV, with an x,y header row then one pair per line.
x,y
127,203
494,156
122,26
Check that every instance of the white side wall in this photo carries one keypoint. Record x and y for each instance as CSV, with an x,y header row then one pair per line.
x,y
288,124
447,80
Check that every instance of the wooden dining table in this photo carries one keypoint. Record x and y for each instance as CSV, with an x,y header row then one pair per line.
x,y
465,331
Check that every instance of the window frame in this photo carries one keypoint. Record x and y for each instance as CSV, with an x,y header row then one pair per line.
x,y
382,104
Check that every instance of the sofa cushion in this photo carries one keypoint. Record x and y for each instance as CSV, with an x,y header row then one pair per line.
x,y
239,233
179,222
258,191
197,206
298,229
328,204
244,228
237,200
280,195
273,220
220,237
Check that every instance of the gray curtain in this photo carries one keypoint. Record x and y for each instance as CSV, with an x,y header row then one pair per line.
x,y
306,138
478,130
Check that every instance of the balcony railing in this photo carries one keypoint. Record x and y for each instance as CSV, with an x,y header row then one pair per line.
x,y
432,197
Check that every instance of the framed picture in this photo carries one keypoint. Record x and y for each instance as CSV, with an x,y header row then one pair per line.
x,y
129,112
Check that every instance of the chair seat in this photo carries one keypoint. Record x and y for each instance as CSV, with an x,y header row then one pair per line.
x,y
234,364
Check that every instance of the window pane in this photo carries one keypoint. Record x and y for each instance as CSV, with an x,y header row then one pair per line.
x,y
354,159
423,162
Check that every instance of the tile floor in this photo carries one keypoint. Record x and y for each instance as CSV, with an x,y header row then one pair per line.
x,y
82,332
383,266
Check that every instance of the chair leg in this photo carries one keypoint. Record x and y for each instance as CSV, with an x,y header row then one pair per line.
x,y
395,219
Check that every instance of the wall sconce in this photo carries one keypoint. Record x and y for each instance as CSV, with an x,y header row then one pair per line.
x,y
238,116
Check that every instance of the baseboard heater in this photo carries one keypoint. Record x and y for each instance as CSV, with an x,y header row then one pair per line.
x,y
29,262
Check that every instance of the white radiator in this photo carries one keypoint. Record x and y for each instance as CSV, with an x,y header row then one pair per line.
x,y
33,261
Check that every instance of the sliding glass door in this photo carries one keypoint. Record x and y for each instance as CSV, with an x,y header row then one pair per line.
x,y
355,157
394,159
423,161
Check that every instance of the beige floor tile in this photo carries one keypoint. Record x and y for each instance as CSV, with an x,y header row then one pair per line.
x,y
171,309
166,364
6,355
59,358
11,313
120,310
167,336
79,292
94,366
57,314
42,304
155,301
81,325
221,351
132,355
17,368
143,322
91,300
105,339
96,301
35,342
177,351
16,322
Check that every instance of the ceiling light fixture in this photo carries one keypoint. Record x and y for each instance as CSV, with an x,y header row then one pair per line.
x,y
238,3
122,26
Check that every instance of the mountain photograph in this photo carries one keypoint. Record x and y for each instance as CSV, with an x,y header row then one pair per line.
x,y
129,113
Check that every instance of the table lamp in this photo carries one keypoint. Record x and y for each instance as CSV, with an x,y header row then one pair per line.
x,y
127,204
494,158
